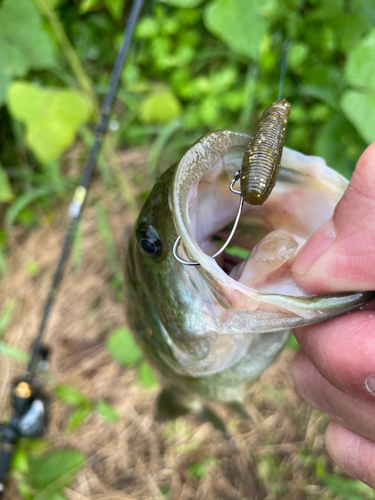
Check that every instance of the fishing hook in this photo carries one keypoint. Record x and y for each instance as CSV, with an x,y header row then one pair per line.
x,y
178,240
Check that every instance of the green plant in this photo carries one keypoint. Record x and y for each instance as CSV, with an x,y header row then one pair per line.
x,y
83,406
121,345
43,475
201,468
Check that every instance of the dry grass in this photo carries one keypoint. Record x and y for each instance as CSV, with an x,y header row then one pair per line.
x,y
138,457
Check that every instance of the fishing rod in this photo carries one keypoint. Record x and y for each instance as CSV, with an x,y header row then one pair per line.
x,y
28,401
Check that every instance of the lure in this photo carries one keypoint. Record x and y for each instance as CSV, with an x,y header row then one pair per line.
x,y
261,162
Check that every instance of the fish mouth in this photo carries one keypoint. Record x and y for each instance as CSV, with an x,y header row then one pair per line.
x,y
254,272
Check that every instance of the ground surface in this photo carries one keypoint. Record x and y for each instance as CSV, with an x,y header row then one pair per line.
x,y
273,456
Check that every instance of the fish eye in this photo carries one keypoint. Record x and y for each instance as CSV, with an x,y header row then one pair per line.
x,y
149,241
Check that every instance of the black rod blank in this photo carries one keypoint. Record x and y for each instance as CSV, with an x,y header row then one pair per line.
x,y
76,206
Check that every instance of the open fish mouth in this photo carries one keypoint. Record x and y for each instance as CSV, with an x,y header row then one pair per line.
x,y
204,209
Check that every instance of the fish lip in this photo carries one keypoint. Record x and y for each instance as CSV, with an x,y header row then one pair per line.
x,y
198,161
207,151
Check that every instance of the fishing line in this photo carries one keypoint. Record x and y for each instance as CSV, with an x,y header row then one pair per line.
x,y
27,399
284,56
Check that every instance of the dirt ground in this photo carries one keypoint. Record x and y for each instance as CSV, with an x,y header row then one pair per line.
x,y
266,458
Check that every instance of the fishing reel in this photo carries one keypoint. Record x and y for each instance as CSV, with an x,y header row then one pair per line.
x,y
29,416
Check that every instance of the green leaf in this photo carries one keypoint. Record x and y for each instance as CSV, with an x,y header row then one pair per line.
x,y
360,110
13,352
348,489
107,411
320,92
6,314
70,394
183,3
115,7
350,28
51,116
24,44
360,68
146,376
20,461
56,496
87,5
32,268
78,416
160,107
122,346
200,469
52,472
298,53
147,28
239,23
6,193
332,143
24,200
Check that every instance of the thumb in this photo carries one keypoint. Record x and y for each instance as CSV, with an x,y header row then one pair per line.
x,y
340,255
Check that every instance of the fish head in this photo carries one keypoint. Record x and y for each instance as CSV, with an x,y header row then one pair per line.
x,y
230,315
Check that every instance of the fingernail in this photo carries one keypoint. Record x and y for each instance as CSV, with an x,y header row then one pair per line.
x,y
314,248
370,384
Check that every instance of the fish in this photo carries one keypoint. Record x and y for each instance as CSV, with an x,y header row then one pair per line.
x,y
210,330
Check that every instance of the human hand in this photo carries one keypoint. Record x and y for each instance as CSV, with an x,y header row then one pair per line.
x,y
335,369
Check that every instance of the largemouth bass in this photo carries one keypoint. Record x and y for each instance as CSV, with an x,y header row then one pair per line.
x,y
209,330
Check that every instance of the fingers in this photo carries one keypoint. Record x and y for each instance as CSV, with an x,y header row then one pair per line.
x,y
345,443
343,351
351,412
340,256
354,454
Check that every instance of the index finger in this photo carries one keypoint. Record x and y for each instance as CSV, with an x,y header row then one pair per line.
x,y
340,255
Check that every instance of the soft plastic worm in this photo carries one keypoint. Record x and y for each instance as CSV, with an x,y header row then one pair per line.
x,y
261,162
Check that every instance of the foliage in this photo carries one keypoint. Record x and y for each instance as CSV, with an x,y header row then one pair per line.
x,y
54,470
83,406
201,468
348,489
43,475
51,116
24,42
13,352
230,21
6,314
208,64
121,345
